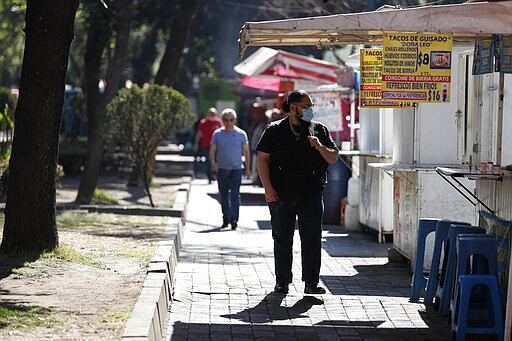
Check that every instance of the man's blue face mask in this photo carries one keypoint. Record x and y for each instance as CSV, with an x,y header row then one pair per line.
x,y
307,114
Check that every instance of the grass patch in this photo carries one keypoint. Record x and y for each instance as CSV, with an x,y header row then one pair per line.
x,y
77,219
118,316
102,197
25,318
64,252
50,259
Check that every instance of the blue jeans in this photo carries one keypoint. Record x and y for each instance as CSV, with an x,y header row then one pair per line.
x,y
229,181
309,209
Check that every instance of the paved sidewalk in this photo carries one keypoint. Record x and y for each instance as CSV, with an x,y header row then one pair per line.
x,y
225,278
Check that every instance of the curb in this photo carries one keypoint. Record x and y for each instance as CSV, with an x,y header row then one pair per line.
x,y
151,312
176,211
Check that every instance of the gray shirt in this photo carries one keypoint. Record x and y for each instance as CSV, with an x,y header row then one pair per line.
x,y
229,147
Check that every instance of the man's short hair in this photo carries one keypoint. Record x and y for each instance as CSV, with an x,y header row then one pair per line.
x,y
229,111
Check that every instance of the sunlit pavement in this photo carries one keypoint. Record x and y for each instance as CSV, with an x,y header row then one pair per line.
x,y
225,278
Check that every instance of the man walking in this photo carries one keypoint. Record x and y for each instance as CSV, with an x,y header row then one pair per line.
x,y
293,155
203,138
228,145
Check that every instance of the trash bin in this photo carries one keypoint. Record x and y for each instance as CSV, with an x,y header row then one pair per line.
x,y
336,189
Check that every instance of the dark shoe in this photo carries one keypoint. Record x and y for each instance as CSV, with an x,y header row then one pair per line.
x,y
234,224
281,288
225,224
313,289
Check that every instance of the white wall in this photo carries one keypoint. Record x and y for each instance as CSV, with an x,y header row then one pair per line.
x,y
386,131
368,137
506,153
437,134
403,136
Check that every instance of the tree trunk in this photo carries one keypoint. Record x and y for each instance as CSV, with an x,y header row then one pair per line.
x,y
115,69
98,34
168,70
30,207
143,63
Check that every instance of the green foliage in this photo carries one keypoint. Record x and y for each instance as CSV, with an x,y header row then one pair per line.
x,y
7,102
65,252
25,318
105,221
102,197
12,18
141,119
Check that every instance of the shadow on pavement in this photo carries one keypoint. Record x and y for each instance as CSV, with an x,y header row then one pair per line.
x,y
324,330
270,309
10,262
246,199
388,279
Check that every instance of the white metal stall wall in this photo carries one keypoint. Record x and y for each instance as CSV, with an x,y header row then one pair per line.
x,y
376,196
405,233
495,194
422,193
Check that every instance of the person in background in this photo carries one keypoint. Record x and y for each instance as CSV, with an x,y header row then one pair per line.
x,y
229,144
203,138
259,122
274,114
293,156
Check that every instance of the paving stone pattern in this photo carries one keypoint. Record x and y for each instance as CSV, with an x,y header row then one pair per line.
x,y
225,278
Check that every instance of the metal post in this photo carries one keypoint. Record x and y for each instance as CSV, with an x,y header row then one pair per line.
x,y
352,118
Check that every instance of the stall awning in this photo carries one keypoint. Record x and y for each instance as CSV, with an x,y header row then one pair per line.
x,y
465,22
267,62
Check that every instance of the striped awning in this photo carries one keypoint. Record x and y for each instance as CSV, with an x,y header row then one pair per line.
x,y
267,62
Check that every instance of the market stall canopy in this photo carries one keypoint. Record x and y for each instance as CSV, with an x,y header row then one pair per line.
x,y
466,22
267,62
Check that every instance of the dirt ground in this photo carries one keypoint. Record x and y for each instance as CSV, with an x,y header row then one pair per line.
x,y
78,301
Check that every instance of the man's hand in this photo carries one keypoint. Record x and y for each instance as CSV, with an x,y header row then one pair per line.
x,y
314,142
270,194
215,167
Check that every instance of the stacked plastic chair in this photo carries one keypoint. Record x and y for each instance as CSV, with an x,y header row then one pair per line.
x,y
476,302
419,280
440,244
420,283
445,284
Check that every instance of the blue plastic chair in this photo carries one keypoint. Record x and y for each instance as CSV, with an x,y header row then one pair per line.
x,y
447,278
419,280
485,258
440,244
462,323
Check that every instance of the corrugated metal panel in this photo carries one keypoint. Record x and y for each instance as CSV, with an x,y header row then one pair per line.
x,y
370,198
497,195
405,234
505,202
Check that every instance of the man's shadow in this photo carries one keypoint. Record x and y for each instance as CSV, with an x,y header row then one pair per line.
x,y
270,309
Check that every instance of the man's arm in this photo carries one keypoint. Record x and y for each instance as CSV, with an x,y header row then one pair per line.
x,y
264,173
330,155
213,151
247,156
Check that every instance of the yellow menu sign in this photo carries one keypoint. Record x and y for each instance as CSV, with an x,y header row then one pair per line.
x,y
416,67
370,90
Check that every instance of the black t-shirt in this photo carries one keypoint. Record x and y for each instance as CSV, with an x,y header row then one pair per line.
x,y
295,167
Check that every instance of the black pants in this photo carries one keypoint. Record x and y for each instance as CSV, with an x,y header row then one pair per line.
x,y
309,210
203,161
